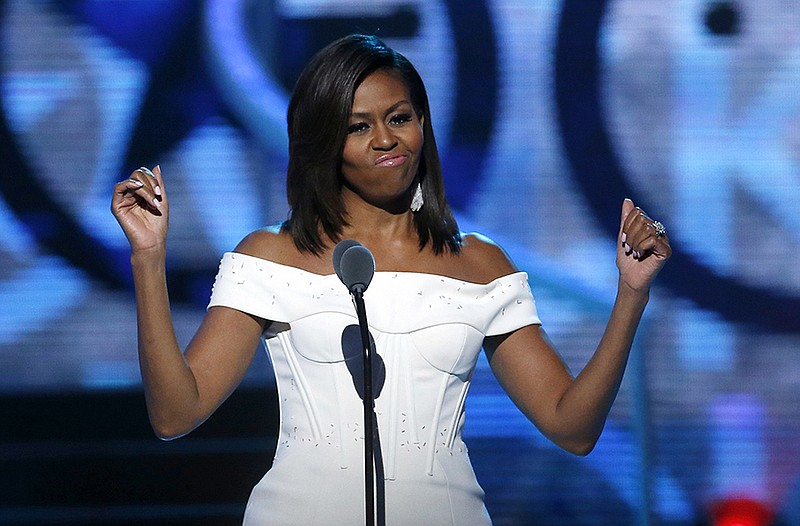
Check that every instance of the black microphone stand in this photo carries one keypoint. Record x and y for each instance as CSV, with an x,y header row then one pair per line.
x,y
355,266
369,415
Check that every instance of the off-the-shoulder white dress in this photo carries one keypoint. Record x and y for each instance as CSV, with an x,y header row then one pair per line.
x,y
428,331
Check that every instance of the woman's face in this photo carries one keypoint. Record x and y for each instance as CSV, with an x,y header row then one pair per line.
x,y
384,141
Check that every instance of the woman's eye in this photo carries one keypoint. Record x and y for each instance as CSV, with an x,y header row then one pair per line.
x,y
400,118
357,127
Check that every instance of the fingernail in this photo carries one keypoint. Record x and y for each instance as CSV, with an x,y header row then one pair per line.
x,y
157,203
157,190
136,182
624,237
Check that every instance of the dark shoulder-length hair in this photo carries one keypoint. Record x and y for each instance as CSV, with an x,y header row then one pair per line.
x,y
319,112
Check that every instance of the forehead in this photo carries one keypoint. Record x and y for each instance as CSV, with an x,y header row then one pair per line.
x,y
380,89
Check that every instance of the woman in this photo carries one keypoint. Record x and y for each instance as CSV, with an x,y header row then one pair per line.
x,y
364,165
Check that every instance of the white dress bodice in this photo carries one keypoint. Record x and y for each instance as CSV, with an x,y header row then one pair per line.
x,y
428,331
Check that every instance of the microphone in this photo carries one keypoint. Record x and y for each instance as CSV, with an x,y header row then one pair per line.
x,y
340,249
354,265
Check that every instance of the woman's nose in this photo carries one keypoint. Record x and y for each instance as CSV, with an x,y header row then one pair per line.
x,y
383,138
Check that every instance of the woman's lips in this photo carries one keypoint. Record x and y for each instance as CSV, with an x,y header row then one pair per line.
x,y
394,159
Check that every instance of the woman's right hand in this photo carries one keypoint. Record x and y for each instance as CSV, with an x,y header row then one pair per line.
x,y
140,206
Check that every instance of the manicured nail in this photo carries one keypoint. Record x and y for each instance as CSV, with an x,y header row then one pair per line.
x,y
157,203
624,237
136,182
157,190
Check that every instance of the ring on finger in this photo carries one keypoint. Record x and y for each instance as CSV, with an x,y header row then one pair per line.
x,y
659,228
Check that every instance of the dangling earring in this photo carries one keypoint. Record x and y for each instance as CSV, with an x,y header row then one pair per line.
x,y
417,201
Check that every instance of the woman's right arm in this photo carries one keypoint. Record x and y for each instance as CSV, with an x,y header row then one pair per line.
x,y
181,389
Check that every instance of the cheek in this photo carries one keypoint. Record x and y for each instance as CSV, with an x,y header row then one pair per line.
x,y
417,140
350,154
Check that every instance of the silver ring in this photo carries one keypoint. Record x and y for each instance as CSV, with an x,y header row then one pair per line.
x,y
659,227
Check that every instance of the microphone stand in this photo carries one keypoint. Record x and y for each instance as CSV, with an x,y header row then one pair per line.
x,y
369,415
355,266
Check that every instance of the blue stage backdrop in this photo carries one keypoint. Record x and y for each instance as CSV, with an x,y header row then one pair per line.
x,y
547,112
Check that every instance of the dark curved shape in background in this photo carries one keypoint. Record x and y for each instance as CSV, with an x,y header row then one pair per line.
x,y
476,99
601,176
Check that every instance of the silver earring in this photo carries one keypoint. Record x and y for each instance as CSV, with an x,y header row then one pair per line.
x,y
417,201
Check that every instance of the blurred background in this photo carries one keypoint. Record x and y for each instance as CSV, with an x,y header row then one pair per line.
x,y
548,113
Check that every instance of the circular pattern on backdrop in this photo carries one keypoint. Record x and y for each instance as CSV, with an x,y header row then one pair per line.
x,y
604,180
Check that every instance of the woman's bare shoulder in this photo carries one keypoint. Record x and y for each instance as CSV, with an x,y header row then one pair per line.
x,y
275,244
483,259
270,243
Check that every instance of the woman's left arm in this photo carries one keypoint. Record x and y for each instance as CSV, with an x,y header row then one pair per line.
x,y
572,412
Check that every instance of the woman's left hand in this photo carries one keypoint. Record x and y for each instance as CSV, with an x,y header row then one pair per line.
x,y
642,247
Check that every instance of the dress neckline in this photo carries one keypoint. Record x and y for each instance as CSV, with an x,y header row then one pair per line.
x,y
384,273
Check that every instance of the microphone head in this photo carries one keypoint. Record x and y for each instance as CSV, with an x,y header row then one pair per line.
x,y
340,248
357,268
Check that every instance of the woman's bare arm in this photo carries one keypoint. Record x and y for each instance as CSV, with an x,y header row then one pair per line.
x,y
572,411
181,389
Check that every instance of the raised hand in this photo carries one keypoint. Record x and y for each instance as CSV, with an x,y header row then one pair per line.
x,y
140,206
642,247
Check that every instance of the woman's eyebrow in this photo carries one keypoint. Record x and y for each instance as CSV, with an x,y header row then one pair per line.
x,y
393,107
